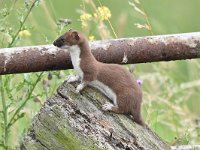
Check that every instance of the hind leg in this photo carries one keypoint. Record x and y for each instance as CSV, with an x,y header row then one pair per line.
x,y
119,107
111,107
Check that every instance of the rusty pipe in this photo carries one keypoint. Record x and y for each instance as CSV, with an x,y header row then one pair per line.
x,y
136,50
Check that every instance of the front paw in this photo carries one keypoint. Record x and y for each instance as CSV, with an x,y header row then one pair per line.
x,y
107,106
72,78
79,88
77,91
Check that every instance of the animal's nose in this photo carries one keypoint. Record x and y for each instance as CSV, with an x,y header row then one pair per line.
x,y
55,43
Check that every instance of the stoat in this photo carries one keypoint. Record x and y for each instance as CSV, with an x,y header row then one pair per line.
x,y
113,80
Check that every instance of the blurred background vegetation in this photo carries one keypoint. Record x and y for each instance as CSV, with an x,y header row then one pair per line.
x,y
171,104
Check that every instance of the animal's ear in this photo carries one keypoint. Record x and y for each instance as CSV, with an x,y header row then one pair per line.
x,y
75,35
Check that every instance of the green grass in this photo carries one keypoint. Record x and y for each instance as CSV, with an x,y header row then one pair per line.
x,y
167,101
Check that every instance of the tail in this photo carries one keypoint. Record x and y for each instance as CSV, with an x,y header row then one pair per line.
x,y
138,118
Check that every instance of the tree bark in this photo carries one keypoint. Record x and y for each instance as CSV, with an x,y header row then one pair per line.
x,y
71,121
126,50
186,147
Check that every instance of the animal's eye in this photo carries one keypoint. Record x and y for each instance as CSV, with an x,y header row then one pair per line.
x,y
62,39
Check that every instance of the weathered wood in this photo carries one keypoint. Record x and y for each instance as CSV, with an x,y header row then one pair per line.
x,y
186,147
137,50
71,121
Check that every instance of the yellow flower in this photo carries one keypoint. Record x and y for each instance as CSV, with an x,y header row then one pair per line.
x,y
85,17
24,33
103,13
91,38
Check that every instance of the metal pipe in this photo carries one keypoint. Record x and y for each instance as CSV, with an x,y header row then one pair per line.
x,y
125,50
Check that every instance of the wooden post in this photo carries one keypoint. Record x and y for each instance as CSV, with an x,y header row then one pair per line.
x,y
71,121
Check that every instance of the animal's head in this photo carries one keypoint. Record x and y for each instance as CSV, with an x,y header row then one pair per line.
x,y
68,39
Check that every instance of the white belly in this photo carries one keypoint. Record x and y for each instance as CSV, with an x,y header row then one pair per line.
x,y
75,58
105,89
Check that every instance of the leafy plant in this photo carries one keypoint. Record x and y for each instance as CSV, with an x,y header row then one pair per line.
x,y
8,94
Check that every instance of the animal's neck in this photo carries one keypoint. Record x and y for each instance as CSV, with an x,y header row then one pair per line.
x,y
85,50
75,58
75,53
80,53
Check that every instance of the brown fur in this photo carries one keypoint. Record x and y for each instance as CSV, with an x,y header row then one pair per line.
x,y
127,90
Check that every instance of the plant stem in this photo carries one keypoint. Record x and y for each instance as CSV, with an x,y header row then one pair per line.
x,y
109,22
53,11
5,115
146,18
21,24
25,101
112,28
